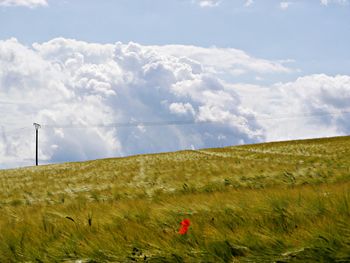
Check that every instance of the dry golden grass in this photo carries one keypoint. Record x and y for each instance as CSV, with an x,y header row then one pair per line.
x,y
286,201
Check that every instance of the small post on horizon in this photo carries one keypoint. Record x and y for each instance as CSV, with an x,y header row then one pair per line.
x,y
37,126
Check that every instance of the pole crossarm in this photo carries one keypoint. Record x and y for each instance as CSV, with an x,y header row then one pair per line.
x,y
37,126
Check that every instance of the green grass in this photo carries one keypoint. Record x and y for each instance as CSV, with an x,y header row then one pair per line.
x,y
275,202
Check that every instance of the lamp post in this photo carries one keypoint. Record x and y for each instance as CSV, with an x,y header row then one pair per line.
x,y
37,126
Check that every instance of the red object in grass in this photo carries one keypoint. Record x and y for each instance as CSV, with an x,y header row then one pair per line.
x,y
185,224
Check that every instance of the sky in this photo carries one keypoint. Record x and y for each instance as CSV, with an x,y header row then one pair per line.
x,y
242,71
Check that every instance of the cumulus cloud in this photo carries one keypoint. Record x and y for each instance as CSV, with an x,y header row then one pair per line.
x,y
339,2
181,108
224,60
285,5
67,84
311,106
26,3
77,89
208,3
249,3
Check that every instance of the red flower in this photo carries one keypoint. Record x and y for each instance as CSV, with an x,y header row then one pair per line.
x,y
185,224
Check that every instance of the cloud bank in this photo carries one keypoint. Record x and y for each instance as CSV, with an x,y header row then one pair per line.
x,y
67,82
311,106
77,89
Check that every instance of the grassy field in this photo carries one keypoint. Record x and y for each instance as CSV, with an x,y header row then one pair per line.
x,y
275,202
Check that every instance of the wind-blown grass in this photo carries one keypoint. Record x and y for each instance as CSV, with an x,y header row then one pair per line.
x,y
286,202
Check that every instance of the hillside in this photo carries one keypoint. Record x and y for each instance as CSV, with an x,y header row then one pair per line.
x,y
283,201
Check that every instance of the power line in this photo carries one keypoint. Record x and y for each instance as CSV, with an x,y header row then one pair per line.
x,y
16,131
305,115
13,102
186,122
127,124
171,123
158,123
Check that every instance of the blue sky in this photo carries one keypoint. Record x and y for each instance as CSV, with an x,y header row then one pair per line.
x,y
236,63
316,36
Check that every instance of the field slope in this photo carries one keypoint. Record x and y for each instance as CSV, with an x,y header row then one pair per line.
x,y
274,202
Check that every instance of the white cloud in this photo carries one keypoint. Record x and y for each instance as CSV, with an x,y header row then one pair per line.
x,y
311,106
249,3
73,82
284,5
26,3
224,60
181,108
208,3
340,2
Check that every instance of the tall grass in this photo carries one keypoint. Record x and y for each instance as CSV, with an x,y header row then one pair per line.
x,y
285,202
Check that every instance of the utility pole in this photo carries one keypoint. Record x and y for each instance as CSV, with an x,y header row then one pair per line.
x,y
37,126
